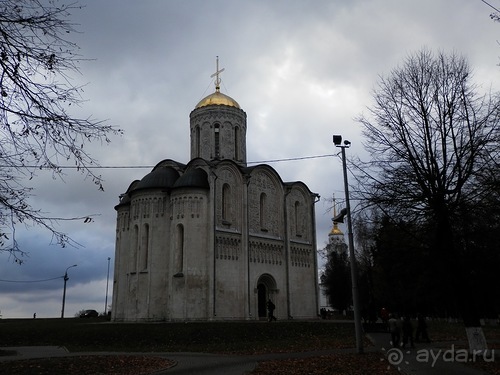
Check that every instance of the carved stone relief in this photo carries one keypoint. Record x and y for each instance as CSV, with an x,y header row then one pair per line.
x,y
227,247
266,252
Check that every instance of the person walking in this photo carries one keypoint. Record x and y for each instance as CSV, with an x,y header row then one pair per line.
x,y
421,329
384,315
407,332
394,329
270,311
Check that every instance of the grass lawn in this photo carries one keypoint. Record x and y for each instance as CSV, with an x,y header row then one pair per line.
x,y
212,337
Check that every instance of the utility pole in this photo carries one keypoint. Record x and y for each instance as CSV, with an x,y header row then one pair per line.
x,y
337,140
107,283
66,278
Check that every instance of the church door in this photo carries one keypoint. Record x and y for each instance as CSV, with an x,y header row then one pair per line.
x,y
262,299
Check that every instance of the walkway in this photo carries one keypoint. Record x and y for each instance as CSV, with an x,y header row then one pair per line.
x,y
426,359
440,358
187,363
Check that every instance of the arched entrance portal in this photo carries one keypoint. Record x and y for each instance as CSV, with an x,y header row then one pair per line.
x,y
266,289
262,298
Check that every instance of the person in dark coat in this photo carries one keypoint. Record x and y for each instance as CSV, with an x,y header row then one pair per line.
x,y
395,329
270,310
407,332
421,329
384,315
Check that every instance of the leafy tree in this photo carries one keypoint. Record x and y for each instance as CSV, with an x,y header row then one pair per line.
x,y
37,131
480,237
337,278
394,261
401,262
364,234
432,139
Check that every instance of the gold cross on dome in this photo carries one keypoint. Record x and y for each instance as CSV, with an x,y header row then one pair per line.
x,y
216,75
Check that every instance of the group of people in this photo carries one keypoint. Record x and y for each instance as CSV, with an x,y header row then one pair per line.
x,y
396,326
401,330
326,313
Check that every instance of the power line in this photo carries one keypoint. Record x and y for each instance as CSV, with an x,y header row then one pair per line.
x,y
30,281
491,6
152,166
292,159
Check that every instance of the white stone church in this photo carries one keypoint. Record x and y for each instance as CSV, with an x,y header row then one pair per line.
x,y
214,239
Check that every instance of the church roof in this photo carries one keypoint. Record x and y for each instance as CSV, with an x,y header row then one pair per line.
x,y
217,98
125,198
196,177
162,177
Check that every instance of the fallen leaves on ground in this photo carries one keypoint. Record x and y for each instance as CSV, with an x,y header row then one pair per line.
x,y
491,367
87,365
334,364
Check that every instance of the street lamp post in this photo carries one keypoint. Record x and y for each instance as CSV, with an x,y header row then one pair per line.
x,y
337,140
107,283
66,278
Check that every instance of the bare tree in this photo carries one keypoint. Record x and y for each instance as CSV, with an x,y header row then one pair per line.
x,y
495,16
432,138
37,131
429,135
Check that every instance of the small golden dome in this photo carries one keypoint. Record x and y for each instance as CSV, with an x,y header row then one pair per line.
x,y
336,231
217,98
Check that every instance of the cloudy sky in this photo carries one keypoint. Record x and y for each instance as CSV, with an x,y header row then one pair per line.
x,y
301,70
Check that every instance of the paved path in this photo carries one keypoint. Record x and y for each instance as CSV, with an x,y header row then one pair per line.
x,y
441,358
425,359
187,363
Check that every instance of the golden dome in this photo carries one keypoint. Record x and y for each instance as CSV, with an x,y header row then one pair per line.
x,y
336,231
217,98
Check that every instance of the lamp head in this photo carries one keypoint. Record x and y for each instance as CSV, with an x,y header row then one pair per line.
x,y
340,217
337,140
74,265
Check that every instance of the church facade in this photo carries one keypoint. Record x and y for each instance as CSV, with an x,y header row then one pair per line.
x,y
215,239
